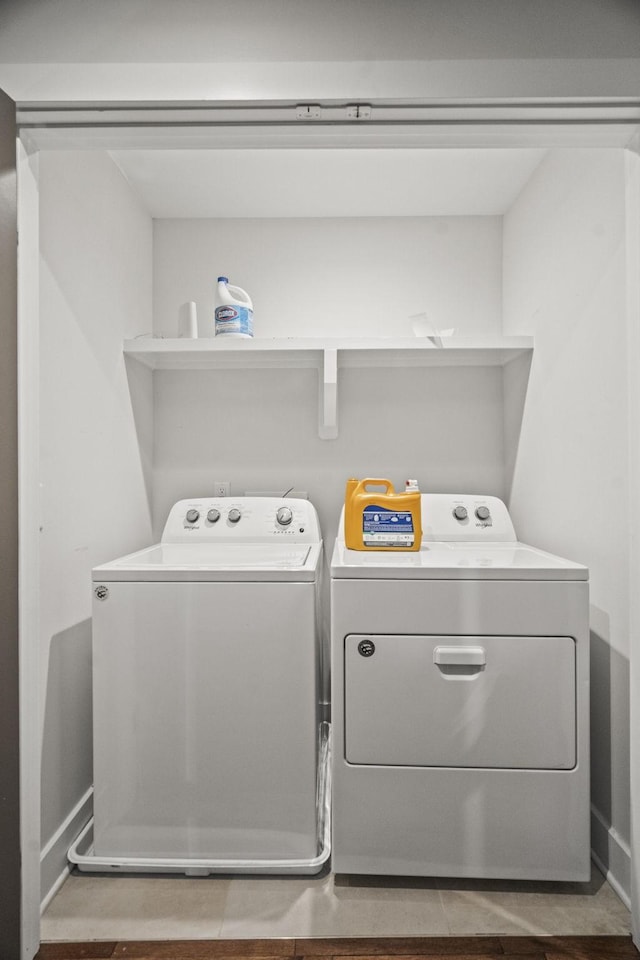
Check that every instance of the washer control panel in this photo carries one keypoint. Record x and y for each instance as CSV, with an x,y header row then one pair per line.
x,y
465,517
242,520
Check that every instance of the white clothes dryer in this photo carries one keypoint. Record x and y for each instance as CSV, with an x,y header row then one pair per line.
x,y
460,692
208,752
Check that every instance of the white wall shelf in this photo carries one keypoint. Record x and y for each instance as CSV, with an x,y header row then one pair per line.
x,y
327,355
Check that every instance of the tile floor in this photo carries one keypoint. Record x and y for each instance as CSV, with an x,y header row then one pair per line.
x,y
92,907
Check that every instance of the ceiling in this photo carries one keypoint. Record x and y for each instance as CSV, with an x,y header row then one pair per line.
x,y
327,182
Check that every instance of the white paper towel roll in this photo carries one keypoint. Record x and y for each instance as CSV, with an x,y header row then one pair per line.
x,y
188,320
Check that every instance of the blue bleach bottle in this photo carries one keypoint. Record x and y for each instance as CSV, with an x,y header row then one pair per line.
x,y
234,311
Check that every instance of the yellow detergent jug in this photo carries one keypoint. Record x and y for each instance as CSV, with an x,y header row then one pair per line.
x,y
381,521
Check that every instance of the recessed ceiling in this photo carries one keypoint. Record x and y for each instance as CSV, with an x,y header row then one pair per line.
x,y
327,182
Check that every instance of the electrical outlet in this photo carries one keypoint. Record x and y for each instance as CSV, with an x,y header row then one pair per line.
x,y
221,488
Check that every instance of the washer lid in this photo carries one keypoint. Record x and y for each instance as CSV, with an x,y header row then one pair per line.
x,y
455,561
216,562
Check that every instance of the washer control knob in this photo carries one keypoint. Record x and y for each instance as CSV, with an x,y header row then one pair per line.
x,y
213,516
284,516
234,515
193,516
460,512
483,513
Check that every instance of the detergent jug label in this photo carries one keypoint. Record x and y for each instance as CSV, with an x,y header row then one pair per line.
x,y
387,528
234,319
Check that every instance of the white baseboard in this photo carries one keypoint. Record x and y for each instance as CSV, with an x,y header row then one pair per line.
x,y
612,855
54,867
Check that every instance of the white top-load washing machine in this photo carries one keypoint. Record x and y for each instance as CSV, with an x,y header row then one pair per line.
x,y
460,693
206,682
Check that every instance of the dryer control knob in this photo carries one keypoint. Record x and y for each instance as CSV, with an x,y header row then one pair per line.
x,y
284,516
234,515
213,516
460,512
193,516
483,513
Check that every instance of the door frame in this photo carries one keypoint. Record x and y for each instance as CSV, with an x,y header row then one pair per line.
x,y
108,126
632,160
10,813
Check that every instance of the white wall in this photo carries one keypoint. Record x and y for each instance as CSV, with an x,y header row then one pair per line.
x,y
315,49
331,30
136,49
334,277
258,429
564,282
95,289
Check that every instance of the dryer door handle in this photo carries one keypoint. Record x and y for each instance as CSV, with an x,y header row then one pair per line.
x,y
459,656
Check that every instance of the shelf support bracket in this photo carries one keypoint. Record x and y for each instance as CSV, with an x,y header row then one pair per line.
x,y
328,399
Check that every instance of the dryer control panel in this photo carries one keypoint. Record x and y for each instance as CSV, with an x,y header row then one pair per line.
x,y
242,520
460,517
447,516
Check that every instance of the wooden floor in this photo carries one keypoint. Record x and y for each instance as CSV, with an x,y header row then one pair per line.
x,y
362,948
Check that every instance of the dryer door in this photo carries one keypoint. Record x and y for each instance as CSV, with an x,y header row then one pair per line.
x,y
451,701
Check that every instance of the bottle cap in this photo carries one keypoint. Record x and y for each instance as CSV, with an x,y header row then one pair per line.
x,y
225,279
